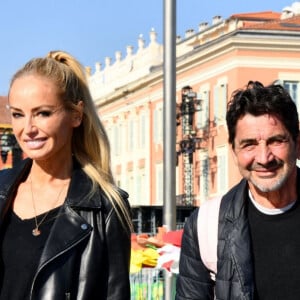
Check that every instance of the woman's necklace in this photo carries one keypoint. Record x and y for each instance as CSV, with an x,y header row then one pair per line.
x,y
36,231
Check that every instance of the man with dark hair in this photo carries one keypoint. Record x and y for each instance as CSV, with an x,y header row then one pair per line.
x,y
257,240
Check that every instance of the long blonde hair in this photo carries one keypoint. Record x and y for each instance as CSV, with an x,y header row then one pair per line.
x,y
90,144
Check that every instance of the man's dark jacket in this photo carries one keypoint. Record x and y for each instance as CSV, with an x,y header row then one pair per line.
x,y
235,277
87,253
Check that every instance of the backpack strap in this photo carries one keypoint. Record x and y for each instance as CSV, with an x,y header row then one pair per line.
x,y
207,227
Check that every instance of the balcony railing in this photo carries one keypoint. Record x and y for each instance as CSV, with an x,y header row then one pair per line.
x,y
185,200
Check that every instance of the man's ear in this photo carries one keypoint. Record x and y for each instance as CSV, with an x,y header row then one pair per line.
x,y
77,114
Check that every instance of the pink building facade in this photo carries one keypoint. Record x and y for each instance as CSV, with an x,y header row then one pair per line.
x,y
213,61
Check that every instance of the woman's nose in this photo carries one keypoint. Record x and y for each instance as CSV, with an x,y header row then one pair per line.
x,y
30,125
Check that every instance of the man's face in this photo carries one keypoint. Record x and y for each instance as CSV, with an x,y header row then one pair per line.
x,y
265,152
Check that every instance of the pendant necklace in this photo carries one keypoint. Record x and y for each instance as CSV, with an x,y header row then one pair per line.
x,y
36,231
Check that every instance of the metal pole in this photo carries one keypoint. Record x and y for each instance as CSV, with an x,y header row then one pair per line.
x,y
169,115
169,211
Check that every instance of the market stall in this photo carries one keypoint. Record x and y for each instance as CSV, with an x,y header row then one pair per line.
x,y
150,256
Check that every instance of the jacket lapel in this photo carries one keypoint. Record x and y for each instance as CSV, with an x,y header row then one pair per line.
x,y
234,238
68,230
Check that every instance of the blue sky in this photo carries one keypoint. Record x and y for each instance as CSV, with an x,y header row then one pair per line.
x,y
94,29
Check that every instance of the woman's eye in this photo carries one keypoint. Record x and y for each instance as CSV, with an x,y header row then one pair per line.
x,y
16,115
44,113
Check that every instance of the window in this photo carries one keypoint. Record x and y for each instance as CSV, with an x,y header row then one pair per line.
x,y
158,125
142,131
140,187
120,138
130,135
159,184
222,169
116,143
202,116
293,88
204,176
220,103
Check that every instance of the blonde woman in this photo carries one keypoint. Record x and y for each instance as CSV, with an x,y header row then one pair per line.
x,y
65,226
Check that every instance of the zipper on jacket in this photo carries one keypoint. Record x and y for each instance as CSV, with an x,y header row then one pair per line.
x,y
68,296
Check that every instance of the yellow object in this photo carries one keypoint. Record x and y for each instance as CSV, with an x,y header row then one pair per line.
x,y
139,258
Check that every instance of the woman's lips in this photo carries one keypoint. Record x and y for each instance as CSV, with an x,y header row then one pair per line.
x,y
35,143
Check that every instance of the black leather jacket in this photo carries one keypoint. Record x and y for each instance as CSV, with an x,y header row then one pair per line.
x,y
87,253
235,278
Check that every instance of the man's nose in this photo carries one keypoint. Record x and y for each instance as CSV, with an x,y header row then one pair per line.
x,y
264,153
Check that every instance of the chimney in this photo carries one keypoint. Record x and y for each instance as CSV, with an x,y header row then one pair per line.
x,y
216,20
98,67
141,42
107,61
189,33
203,26
118,56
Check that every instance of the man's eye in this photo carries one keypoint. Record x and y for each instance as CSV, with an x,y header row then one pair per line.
x,y
247,145
278,142
274,143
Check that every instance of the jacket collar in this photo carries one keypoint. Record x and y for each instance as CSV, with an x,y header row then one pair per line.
x,y
79,192
239,194
235,233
